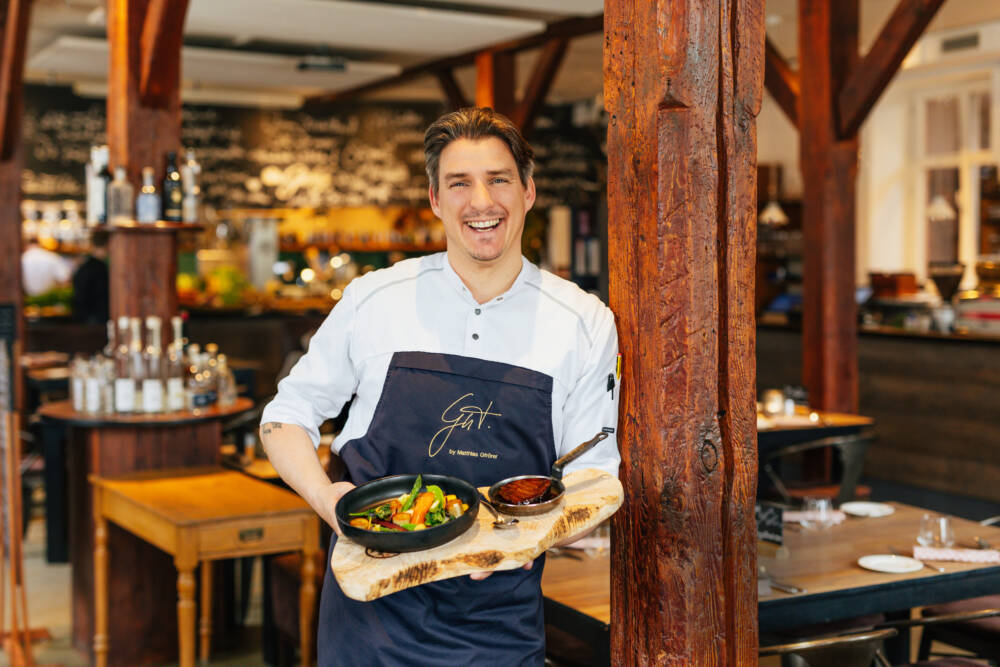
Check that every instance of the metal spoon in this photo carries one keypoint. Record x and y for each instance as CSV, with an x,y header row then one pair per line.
x,y
499,521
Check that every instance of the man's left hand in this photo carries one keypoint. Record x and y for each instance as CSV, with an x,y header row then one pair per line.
x,y
479,576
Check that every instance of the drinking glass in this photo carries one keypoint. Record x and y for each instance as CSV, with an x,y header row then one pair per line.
x,y
935,531
818,513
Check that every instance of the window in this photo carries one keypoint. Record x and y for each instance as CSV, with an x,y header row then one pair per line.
x,y
954,132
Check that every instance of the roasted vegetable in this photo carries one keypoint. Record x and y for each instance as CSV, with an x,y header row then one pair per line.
x,y
421,507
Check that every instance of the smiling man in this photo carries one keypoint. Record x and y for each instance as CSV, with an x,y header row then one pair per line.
x,y
476,330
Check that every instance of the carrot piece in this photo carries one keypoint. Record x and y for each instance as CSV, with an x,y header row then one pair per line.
x,y
361,522
420,508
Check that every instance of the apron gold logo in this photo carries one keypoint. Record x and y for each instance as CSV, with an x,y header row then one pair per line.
x,y
465,417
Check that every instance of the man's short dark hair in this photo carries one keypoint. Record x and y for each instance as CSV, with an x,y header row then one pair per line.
x,y
475,123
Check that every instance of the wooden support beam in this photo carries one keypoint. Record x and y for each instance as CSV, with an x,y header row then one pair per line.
x,y
452,91
828,49
683,85
865,83
16,19
782,82
568,28
162,36
540,83
495,81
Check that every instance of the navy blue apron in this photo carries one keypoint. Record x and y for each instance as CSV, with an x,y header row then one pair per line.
x,y
478,420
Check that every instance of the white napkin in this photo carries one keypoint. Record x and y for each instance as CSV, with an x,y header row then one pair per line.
x,y
957,555
835,517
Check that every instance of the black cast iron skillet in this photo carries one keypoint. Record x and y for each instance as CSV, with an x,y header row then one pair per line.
x,y
386,488
556,488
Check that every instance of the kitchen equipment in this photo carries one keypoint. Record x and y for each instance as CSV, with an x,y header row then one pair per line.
x,y
384,489
543,496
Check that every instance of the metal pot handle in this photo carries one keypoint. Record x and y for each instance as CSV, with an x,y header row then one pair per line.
x,y
578,451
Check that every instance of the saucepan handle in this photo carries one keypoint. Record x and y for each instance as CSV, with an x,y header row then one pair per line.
x,y
557,467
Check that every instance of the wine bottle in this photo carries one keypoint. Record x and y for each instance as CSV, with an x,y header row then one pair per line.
x,y
148,203
124,382
176,369
137,367
121,204
173,190
152,381
226,382
192,192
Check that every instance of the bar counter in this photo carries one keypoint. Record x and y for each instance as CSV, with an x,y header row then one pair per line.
x,y
933,398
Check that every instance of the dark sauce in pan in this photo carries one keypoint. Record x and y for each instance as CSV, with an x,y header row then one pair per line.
x,y
530,491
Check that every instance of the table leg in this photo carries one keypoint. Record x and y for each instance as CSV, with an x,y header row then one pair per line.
x,y
185,614
307,600
100,584
205,626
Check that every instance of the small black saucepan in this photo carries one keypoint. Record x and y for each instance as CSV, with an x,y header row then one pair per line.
x,y
555,489
385,488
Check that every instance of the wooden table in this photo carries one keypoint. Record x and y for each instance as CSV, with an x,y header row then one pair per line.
x,y
779,431
198,515
824,562
78,445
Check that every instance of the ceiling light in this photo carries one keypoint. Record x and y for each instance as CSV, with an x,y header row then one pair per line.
x,y
323,63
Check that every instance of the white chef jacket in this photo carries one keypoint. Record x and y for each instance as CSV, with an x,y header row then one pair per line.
x,y
542,323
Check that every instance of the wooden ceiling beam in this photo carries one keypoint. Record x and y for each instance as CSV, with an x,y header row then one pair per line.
x,y
540,84
16,16
868,80
568,28
782,82
452,91
162,37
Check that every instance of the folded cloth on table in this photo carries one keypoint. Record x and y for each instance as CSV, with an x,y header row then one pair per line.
x,y
958,555
834,517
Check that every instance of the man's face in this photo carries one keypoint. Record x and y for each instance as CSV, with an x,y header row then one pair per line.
x,y
481,200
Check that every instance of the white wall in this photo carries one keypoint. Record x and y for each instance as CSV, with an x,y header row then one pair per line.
x,y
778,142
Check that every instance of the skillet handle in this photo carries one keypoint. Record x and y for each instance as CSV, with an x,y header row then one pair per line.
x,y
578,451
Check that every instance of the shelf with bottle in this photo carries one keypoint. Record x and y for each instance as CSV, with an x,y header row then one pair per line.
x,y
130,379
112,202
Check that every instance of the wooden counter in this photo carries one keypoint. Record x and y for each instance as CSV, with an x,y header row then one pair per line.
x,y
933,399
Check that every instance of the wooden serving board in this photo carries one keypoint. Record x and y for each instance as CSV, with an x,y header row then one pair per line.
x,y
591,497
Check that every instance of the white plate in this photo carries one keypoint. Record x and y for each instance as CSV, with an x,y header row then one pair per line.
x,y
867,509
889,563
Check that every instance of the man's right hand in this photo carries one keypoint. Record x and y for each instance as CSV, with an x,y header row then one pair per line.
x,y
325,500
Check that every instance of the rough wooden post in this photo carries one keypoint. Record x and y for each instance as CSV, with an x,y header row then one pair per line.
x,y
144,122
495,81
828,52
683,85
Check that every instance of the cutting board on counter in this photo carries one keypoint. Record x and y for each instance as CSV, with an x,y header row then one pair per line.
x,y
591,497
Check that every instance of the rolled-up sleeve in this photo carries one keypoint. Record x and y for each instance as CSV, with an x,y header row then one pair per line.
x,y
592,404
323,380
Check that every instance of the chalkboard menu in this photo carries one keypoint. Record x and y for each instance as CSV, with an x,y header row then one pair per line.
x,y
365,153
770,526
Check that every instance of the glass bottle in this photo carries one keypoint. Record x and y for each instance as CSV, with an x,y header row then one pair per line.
x,y
77,380
136,362
192,192
93,402
124,381
173,192
153,400
176,369
147,205
226,382
191,363
121,199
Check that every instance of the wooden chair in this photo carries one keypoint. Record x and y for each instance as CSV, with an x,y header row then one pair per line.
x,y
978,635
851,450
858,649
942,621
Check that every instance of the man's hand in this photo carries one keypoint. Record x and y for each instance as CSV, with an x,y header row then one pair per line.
x,y
479,576
325,500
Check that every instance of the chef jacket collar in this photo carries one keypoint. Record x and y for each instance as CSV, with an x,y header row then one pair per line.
x,y
529,273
